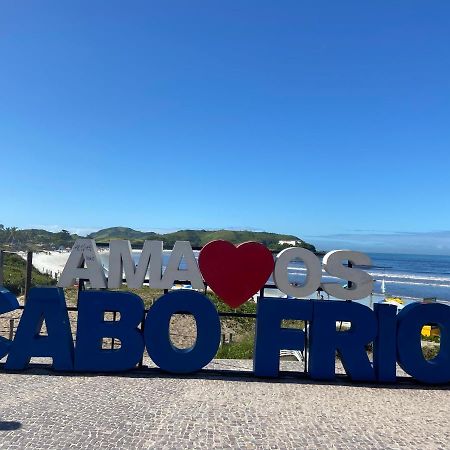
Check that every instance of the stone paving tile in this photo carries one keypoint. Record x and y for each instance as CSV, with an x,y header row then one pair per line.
x,y
41,409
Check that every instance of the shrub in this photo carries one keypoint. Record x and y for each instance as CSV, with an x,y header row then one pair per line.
x,y
14,271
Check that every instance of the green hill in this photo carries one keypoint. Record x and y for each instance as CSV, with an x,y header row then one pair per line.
x,y
34,239
107,234
198,238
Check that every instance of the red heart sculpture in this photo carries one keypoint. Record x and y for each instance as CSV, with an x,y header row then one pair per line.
x,y
235,274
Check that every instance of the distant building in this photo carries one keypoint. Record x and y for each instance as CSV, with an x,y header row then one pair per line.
x,y
293,243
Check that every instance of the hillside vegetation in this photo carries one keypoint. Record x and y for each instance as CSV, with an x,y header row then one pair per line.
x,y
34,239
14,272
198,238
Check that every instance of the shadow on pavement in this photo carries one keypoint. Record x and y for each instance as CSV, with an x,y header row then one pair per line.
x,y
231,375
9,425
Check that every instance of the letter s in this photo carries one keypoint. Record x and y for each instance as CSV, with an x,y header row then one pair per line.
x,y
362,282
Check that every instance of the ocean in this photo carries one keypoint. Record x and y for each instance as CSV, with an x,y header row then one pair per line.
x,y
405,275
416,276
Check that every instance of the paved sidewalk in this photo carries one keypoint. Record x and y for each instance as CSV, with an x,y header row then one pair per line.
x,y
41,409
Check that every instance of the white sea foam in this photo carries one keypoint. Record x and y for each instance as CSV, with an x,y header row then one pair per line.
x,y
380,276
425,279
414,283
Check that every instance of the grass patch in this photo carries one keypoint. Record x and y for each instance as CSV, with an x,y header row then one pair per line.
x,y
430,351
242,349
431,338
14,271
148,295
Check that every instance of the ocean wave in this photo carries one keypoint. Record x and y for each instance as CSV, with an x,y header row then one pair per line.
x,y
386,276
415,283
379,276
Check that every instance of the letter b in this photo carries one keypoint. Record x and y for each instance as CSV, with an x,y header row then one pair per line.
x,y
92,328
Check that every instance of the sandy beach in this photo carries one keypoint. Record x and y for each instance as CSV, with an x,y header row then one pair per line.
x,y
50,262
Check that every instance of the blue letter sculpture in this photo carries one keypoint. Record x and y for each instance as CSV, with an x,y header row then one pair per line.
x,y
350,344
410,357
396,337
92,328
49,305
385,344
271,338
8,303
157,338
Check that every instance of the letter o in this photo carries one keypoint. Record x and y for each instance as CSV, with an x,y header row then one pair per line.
x,y
313,272
156,333
410,321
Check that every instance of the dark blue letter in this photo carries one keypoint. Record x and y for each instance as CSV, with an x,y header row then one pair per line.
x,y
385,344
8,303
411,319
325,340
157,339
271,338
43,304
92,328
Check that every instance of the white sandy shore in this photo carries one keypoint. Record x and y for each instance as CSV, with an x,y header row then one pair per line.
x,y
48,262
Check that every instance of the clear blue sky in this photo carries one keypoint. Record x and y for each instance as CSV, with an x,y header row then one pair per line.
x,y
312,118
